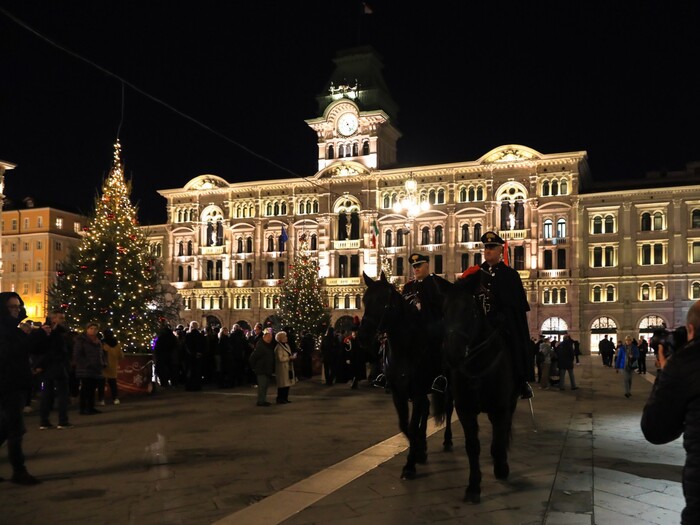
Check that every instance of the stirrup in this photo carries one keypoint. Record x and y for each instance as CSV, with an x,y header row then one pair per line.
x,y
379,381
526,391
439,384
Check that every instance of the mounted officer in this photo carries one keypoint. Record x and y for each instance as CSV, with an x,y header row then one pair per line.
x,y
502,296
426,292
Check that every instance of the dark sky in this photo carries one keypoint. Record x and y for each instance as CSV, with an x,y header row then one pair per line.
x,y
617,79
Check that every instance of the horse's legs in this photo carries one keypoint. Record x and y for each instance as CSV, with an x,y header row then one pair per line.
x,y
417,442
449,408
501,427
470,424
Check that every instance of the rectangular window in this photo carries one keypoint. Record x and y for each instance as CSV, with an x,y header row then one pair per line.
x,y
59,223
39,245
609,256
25,289
646,254
465,261
270,270
249,271
26,223
548,265
76,227
561,258
438,264
280,270
38,266
13,268
13,247
14,224
477,258
39,222
354,266
25,246
59,246
658,254
399,266
37,287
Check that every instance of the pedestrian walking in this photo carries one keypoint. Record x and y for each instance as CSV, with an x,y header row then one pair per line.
x,y
626,360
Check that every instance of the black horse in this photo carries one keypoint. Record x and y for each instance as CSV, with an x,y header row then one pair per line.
x,y
411,365
482,379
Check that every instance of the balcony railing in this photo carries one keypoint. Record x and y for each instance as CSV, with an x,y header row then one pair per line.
x,y
353,244
555,240
211,250
554,274
342,281
513,234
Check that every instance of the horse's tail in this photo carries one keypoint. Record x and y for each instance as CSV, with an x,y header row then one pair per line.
x,y
439,402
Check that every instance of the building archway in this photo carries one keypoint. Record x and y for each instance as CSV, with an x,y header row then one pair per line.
x,y
600,327
213,321
554,327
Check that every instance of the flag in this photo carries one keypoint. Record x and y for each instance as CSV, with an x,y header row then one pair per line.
x,y
506,260
284,237
375,232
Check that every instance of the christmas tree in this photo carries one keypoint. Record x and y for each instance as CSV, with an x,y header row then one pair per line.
x,y
111,278
301,303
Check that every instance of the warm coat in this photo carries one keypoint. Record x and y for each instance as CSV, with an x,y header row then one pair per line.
x,y
565,354
113,355
262,360
621,357
88,357
52,353
673,409
15,374
283,365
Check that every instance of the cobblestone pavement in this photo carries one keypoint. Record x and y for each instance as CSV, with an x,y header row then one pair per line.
x,y
332,456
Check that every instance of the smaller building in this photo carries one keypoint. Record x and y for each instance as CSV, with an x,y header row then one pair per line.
x,y
36,240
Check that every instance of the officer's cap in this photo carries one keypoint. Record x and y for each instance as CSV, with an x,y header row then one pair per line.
x,y
492,239
416,259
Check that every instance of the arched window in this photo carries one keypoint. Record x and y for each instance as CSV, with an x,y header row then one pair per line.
x,y
610,293
695,220
563,188
561,228
270,244
268,209
555,188
399,237
472,195
438,235
347,302
609,224
462,194
659,292
387,238
441,196
545,188
314,206
425,235
546,296
358,301
239,271
695,290
180,248
301,208
596,294
480,193
431,197
477,231
597,224
180,274
562,295
365,147
277,208
314,245
189,248
646,222
547,228
465,233
240,244
658,221
336,302
386,201
189,273
308,207
331,152
645,292
249,245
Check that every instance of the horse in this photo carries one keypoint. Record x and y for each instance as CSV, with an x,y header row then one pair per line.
x,y
481,377
410,366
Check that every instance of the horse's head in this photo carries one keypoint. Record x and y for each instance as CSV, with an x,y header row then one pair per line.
x,y
464,320
377,300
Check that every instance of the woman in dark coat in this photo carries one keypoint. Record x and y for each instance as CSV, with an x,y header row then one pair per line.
x,y
329,355
89,362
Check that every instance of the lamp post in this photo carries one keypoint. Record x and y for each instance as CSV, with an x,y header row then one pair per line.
x,y
411,206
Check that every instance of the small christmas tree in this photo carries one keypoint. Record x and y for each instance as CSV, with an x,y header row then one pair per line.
x,y
301,303
112,278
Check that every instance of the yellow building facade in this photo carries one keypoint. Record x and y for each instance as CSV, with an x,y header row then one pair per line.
x,y
35,242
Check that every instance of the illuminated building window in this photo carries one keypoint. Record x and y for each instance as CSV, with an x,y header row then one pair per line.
x,y
59,223
695,290
695,219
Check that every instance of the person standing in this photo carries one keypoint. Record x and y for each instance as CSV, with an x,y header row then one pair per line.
x,y
643,349
329,355
195,344
565,358
626,360
547,357
284,369
113,354
15,379
262,362
53,361
426,291
672,410
89,363
238,350
502,296
165,352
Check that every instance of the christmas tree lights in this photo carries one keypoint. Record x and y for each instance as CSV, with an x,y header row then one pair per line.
x,y
301,302
112,278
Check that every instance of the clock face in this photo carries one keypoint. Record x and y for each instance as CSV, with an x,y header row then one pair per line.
x,y
347,124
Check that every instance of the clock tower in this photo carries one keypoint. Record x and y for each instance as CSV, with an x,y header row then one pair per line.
x,y
358,113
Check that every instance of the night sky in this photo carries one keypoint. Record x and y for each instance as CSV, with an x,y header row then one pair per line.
x,y
617,79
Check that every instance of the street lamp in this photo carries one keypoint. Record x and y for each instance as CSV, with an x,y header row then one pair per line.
x,y
412,206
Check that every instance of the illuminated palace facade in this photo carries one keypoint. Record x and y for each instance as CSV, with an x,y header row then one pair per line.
x,y
593,261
